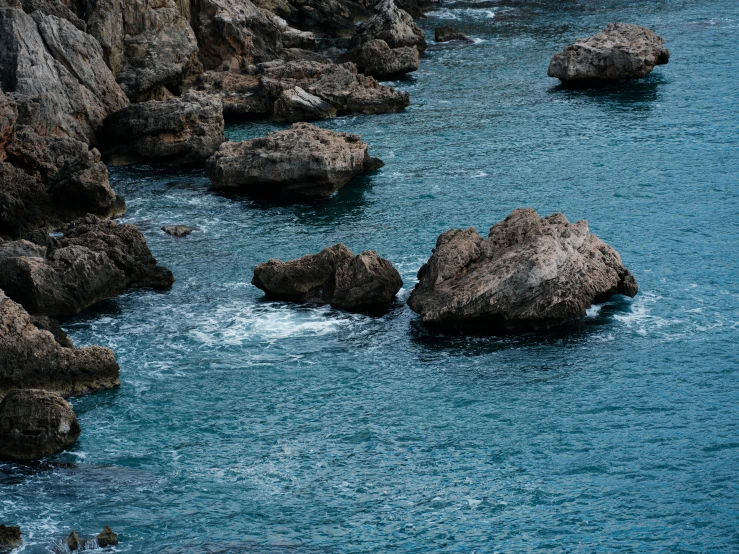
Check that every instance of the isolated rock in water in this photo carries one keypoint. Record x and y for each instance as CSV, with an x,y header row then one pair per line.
x,y
66,282
107,538
124,245
621,51
375,58
233,34
447,34
297,105
30,357
147,45
303,160
391,24
529,274
333,276
10,538
180,130
73,541
35,423
62,69
178,230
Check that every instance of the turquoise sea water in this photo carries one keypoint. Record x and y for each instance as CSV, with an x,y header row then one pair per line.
x,y
243,425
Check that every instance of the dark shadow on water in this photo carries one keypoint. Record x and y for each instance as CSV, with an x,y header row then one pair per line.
x,y
637,94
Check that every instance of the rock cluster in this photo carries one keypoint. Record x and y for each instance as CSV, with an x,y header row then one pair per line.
x,y
333,276
36,353
35,423
106,538
530,273
621,51
180,130
301,161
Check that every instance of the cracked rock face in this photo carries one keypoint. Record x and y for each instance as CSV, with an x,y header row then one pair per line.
x,y
391,24
333,276
180,130
621,51
301,161
35,423
530,273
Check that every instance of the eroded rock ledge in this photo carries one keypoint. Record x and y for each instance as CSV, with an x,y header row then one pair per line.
x,y
333,276
530,273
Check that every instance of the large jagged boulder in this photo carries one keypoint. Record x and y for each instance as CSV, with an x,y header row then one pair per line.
x,y
62,68
376,59
233,34
530,273
240,93
52,7
621,51
148,44
31,356
302,161
8,117
35,423
391,24
295,104
181,130
333,276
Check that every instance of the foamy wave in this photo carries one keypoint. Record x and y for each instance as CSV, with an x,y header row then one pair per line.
x,y
641,319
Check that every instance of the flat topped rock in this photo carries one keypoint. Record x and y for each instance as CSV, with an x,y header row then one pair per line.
x,y
530,273
35,423
302,161
333,276
621,51
443,33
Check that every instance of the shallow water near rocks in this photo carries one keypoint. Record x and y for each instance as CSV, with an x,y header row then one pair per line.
x,y
243,425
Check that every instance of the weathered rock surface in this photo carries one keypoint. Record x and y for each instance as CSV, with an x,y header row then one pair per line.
x,y
178,230
62,69
10,538
333,276
447,34
147,44
107,538
234,34
391,24
376,59
181,130
35,423
271,89
529,274
51,7
31,357
621,51
301,161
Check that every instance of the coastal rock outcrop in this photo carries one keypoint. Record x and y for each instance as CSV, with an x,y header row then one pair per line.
x,y
295,104
62,69
178,230
530,273
387,44
621,51
147,44
10,538
35,423
447,34
32,357
333,276
301,161
181,130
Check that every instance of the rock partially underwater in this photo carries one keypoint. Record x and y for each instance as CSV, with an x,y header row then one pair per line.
x,y
530,273
333,276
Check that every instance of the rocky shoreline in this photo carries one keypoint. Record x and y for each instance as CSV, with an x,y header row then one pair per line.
x,y
85,84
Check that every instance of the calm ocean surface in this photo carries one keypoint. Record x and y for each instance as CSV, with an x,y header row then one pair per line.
x,y
243,425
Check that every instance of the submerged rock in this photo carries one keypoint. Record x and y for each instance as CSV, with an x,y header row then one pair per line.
x,y
35,423
10,537
301,161
621,51
180,130
447,34
530,273
333,276
178,230
33,357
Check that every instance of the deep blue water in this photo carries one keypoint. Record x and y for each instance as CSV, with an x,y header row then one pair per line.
x,y
243,425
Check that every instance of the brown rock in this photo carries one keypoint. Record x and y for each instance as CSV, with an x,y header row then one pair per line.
x,y
35,423
391,24
10,538
375,58
178,230
621,51
30,357
447,34
529,274
333,276
301,161
295,104
107,538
